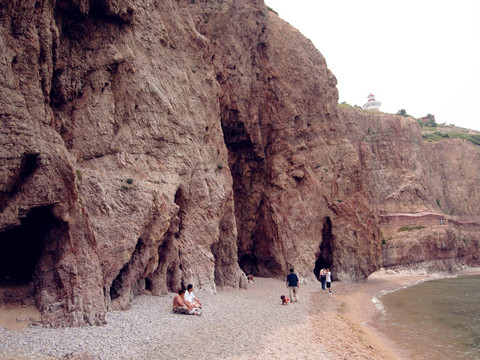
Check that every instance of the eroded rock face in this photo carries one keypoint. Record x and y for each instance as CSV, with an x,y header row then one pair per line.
x,y
147,145
429,190
394,167
296,202
112,147
455,177
440,248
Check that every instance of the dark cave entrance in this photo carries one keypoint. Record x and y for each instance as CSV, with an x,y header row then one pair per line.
x,y
21,247
21,250
325,255
249,264
172,285
181,201
117,284
125,277
148,284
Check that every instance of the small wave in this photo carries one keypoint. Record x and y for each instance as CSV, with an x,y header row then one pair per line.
x,y
379,305
378,302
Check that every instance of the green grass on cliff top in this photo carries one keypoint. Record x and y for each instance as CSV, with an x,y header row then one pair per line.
x,y
410,228
442,132
438,132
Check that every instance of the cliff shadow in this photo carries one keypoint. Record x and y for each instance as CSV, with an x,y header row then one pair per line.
x,y
167,276
28,167
129,280
255,227
325,254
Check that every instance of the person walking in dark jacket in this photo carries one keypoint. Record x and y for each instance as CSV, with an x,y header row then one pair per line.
x,y
292,285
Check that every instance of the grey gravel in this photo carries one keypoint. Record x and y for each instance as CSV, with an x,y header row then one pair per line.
x,y
235,324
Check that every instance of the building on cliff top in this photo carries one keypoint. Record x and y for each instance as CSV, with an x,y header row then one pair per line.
x,y
372,104
428,120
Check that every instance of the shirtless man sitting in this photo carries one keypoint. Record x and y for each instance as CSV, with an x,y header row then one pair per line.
x,y
180,306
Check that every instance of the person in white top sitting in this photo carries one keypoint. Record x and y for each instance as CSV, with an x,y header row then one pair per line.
x,y
191,298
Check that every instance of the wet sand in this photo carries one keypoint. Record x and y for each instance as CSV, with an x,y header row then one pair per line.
x,y
354,314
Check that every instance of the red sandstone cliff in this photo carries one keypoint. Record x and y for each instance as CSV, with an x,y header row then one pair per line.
x,y
114,172
430,190
149,144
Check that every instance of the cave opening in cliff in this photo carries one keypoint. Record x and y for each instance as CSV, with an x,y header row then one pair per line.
x,y
21,247
325,255
180,200
172,268
249,264
171,278
148,284
118,285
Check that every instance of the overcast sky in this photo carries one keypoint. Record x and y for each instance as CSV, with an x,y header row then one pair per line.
x,y
419,55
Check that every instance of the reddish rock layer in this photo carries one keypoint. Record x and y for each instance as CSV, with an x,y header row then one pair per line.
x,y
431,190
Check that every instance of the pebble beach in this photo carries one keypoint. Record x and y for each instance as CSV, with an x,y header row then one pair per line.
x,y
235,324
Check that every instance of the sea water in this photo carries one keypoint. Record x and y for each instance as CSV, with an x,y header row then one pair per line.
x,y
438,319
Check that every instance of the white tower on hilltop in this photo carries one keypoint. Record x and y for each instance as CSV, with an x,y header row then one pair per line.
x,y
372,104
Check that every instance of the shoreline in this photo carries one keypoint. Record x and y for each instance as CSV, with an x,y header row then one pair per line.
x,y
358,311
237,324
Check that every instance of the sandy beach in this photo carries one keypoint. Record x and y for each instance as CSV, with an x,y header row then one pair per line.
x,y
236,324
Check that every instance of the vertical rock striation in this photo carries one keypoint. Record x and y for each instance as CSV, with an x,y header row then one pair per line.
x,y
296,203
112,147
